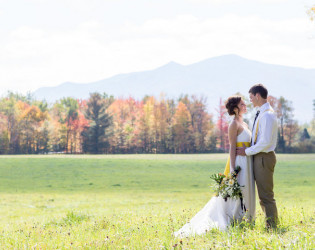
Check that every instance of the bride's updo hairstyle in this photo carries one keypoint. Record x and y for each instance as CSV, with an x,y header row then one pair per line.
x,y
231,103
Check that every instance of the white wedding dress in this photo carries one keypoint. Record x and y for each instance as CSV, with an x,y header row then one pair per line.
x,y
218,213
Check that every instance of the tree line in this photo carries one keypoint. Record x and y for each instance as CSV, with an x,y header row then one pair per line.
x,y
103,124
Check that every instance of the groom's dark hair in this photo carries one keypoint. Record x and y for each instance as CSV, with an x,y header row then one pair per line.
x,y
259,88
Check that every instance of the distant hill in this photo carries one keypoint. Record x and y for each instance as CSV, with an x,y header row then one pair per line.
x,y
214,78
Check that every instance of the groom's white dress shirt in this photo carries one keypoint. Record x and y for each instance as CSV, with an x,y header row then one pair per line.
x,y
267,131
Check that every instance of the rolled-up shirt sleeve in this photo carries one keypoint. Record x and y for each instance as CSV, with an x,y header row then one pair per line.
x,y
266,132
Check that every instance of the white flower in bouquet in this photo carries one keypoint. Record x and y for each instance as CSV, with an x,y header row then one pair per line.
x,y
227,186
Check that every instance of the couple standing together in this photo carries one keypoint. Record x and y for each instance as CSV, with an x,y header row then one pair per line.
x,y
253,151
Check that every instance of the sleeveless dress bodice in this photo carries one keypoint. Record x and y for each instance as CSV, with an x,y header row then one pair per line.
x,y
244,136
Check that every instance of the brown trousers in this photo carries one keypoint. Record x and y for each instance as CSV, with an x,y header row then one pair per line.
x,y
264,164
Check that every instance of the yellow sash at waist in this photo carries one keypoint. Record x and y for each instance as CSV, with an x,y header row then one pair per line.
x,y
227,166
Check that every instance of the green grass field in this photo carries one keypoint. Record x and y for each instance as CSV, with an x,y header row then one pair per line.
x,y
137,201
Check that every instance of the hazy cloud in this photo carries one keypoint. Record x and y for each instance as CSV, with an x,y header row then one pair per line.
x,y
93,51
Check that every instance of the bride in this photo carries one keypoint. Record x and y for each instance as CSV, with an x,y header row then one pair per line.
x,y
218,213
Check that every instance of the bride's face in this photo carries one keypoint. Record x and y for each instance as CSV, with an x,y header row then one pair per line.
x,y
242,107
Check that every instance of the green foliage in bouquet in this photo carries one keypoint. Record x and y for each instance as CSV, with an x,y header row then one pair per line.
x,y
227,186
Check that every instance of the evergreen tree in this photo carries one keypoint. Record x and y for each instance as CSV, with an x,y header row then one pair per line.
x,y
305,135
285,113
96,135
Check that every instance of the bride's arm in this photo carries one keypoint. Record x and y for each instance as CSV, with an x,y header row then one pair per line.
x,y
232,141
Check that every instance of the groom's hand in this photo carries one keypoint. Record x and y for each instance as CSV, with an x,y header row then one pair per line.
x,y
241,151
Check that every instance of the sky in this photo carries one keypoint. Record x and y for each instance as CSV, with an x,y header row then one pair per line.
x,y
48,42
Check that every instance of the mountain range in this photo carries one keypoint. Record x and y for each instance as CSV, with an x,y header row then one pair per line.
x,y
213,78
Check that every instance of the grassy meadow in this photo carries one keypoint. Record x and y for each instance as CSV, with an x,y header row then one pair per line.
x,y
137,201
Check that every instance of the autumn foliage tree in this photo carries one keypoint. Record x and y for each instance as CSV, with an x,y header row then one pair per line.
x,y
182,128
67,112
222,127
288,127
125,114
32,119
163,110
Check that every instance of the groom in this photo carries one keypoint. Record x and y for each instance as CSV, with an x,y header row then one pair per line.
x,y
263,144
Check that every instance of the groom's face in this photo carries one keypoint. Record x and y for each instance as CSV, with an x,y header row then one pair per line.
x,y
253,99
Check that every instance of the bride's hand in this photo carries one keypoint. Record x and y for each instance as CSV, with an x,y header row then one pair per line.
x,y
241,151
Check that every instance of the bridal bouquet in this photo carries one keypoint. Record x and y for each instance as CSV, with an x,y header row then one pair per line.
x,y
227,186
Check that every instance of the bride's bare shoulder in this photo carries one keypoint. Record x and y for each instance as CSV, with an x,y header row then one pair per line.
x,y
234,125
237,123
